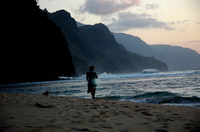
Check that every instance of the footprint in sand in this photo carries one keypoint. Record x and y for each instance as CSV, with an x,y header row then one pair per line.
x,y
188,126
86,111
161,130
95,106
118,123
83,129
146,113
106,107
106,127
165,125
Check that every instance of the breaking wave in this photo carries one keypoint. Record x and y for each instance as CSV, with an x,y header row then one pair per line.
x,y
159,98
150,74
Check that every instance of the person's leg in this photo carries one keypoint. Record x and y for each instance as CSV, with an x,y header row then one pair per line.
x,y
93,92
88,91
89,88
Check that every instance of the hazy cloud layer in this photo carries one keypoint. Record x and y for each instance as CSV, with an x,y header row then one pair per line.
x,y
194,41
104,7
180,22
151,6
129,20
124,20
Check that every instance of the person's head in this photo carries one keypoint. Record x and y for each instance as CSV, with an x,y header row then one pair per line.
x,y
91,68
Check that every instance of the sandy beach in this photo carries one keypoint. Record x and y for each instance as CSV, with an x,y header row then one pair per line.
x,y
30,113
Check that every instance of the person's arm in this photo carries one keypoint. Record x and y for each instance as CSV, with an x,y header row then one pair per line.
x,y
96,75
87,77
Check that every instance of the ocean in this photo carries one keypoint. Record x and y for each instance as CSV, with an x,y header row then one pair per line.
x,y
180,88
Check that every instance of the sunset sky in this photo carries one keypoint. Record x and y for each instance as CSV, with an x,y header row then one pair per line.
x,y
172,22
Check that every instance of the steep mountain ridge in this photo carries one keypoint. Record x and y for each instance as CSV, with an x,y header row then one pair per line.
x,y
114,54
77,43
96,45
177,58
110,58
34,48
134,44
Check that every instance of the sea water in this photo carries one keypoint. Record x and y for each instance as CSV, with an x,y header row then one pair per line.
x,y
181,88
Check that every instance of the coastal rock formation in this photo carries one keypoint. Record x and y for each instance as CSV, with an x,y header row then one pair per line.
x,y
177,58
96,45
34,48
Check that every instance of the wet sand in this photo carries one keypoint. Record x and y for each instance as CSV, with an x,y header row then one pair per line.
x,y
19,112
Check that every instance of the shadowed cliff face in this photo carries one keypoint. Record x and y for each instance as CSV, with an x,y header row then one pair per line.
x,y
105,45
108,55
34,47
177,58
134,44
96,45
80,50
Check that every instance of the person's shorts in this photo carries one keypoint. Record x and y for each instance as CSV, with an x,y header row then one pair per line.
x,y
91,87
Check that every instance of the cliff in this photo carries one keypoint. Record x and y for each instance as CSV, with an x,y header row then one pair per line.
x,y
114,56
134,44
96,45
106,55
34,48
78,46
177,58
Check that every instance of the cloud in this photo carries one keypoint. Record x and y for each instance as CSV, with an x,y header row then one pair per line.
x,y
180,22
129,20
194,41
104,7
151,6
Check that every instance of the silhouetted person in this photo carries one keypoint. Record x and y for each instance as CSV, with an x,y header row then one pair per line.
x,y
91,76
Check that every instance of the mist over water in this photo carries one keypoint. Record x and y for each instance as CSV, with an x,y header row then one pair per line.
x,y
168,88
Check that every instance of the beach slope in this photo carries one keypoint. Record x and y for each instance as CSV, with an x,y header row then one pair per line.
x,y
22,112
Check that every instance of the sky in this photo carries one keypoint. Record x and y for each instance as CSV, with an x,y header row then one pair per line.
x,y
171,22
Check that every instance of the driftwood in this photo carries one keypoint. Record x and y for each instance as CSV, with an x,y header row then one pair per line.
x,y
43,106
46,93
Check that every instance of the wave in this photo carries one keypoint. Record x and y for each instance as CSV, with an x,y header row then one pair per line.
x,y
150,71
154,95
106,75
151,74
113,97
67,92
158,98
179,99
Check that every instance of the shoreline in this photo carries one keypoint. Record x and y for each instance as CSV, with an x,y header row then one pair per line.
x,y
30,112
